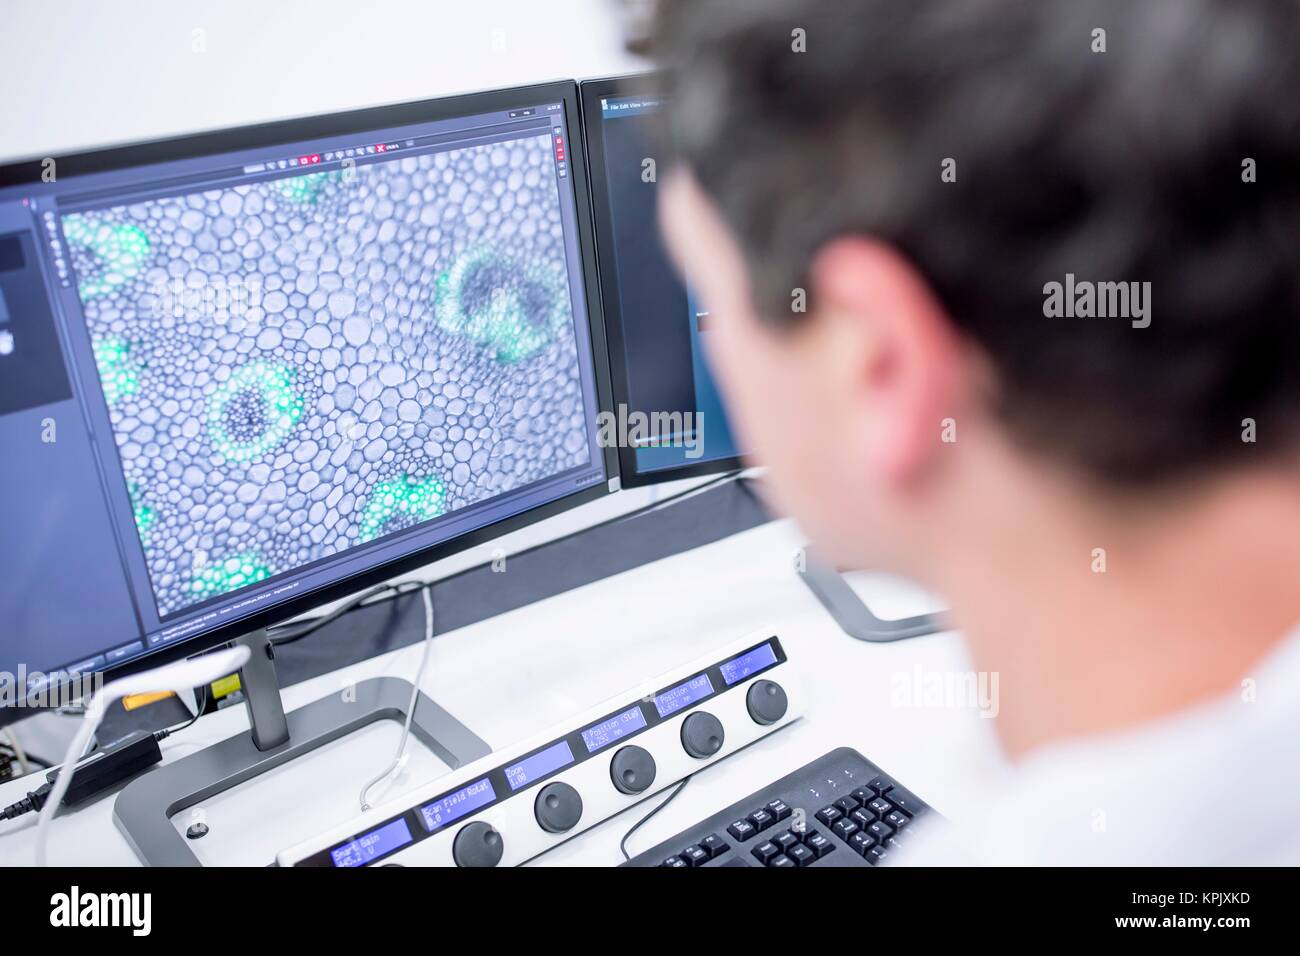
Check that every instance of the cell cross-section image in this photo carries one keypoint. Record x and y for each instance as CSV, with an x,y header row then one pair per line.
x,y
299,366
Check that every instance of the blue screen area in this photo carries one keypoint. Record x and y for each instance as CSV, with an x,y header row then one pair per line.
x,y
228,381
738,668
539,765
665,329
456,805
683,695
616,728
376,843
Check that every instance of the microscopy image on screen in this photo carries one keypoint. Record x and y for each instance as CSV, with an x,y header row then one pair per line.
x,y
296,367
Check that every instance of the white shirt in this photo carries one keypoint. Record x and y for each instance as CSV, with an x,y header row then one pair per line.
x,y
1218,784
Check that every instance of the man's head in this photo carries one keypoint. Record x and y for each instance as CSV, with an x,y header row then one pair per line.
x,y
880,195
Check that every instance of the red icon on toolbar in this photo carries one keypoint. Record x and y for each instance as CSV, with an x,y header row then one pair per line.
x,y
380,148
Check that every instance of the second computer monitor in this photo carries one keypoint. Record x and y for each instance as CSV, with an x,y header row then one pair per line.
x,y
670,417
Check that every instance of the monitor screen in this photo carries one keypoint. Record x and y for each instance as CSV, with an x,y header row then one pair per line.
x,y
672,422
242,369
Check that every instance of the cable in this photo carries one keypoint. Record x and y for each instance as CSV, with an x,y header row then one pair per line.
x,y
622,844
18,752
399,758
200,702
176,676
288,633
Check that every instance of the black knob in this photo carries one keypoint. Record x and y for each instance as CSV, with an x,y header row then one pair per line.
x,y
558,807
477,844
702,734
632,769
766,702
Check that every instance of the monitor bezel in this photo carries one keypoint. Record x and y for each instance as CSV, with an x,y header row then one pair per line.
x,y
28,172
594,150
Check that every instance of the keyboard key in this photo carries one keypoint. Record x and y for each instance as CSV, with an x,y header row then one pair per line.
x,y
694,856
801,855
863,794
819,844
676,862
829,815
765,851
742,830
879,785
896,819
714,845
761,819
786,840
779,809
880,830
782,862
845,828
863,817
861,842
876,855
846,804
880,806
906,801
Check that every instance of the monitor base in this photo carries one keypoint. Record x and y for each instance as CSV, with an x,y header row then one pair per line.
x,y
144,809
854,617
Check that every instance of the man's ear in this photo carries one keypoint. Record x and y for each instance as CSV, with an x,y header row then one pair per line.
x,y
901,350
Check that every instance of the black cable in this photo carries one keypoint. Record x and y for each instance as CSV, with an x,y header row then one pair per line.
x,y
288,633
622,844
200,702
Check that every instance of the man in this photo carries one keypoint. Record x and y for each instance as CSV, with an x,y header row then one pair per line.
x,y
1007,296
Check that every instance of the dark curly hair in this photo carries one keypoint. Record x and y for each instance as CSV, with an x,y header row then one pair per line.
x,y
1127,165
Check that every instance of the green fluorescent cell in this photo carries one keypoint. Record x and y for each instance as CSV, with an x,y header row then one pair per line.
x,y
144,515
401,503
119,251
254,410
228,574
500,305
119,373
303,190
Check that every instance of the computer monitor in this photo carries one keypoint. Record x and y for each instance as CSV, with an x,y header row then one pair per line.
x,y
671,419
246,372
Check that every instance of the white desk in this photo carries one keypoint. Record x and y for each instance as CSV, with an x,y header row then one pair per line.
x,y
514,675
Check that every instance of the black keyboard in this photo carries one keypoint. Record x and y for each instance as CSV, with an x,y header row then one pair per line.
x,y
839,810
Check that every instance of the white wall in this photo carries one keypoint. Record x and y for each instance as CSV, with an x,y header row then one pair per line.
x,y
92,72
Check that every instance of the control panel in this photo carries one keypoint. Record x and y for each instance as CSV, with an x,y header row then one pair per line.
x,y
517,803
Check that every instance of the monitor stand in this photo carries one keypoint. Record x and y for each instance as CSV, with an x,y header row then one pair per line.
x,y
852,614
144,809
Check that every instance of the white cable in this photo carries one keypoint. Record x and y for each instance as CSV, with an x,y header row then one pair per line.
x,y
398,762
18,751
174,677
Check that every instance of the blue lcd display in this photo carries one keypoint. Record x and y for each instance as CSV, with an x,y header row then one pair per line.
x,y
616,728
370,846
683,695
456,805
738,668
539,765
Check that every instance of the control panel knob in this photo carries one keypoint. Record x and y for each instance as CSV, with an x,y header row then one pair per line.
x,y
766,702
477,844
558,807
702,734
632,769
